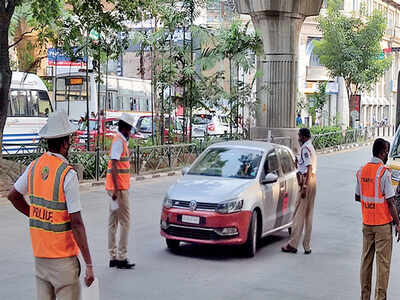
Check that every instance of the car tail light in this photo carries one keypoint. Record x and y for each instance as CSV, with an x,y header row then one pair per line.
x,y
211,127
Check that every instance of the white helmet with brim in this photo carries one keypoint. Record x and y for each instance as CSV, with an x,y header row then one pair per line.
x,y
57,126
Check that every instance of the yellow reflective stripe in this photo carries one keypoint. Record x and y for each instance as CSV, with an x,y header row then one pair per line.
x,y
57,181
32,177
54,205
120,171
372,199
49,226
124,159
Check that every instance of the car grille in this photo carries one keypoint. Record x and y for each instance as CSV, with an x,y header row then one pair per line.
x,y
193,233
200,205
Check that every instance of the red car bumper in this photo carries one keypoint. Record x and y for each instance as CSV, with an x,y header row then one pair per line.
x,y
210,229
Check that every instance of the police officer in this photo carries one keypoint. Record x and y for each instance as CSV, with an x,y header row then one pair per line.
x,y
56,226
117,186
375,192
303,215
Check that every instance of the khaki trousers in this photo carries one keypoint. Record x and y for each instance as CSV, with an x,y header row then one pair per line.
x,y
58,278
119,216
376,239
303,216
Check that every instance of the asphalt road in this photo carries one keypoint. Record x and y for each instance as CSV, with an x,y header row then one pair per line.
x,y
204,272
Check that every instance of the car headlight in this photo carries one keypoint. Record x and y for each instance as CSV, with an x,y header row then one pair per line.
x,y
167,203
230,206
396,175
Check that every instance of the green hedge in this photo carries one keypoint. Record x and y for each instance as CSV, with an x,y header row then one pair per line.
x,y
328,136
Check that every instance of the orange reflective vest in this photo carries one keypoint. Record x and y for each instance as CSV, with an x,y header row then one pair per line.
x,y
49,220
375,209
123,168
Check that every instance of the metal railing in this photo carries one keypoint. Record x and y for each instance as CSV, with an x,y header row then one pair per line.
x,y
150,159
350,136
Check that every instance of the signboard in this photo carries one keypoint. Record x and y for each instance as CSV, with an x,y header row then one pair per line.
x,y
354,106
55,57
74,81
94,35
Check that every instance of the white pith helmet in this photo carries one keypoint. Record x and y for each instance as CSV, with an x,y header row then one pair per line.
x,y
57,126
128,119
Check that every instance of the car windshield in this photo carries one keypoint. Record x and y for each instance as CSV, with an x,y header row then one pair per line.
x,y
228,163
201,119
92,125
145,124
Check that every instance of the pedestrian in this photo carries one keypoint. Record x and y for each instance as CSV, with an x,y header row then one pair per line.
x,y
304,210
298,120
117,186
377,196
56,227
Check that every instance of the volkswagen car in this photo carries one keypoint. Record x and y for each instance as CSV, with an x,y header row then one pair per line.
x,y
235,193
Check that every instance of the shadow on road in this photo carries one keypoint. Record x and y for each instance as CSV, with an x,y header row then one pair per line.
x,y
222,252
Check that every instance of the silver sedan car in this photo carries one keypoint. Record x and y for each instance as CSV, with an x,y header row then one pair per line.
x,y
234,193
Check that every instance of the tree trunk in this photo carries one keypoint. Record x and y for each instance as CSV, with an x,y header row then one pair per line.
x,y
5,73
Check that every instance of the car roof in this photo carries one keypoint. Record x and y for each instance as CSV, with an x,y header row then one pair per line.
x,y
264,146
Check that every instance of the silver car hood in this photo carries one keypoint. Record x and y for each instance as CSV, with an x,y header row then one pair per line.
x,y
208,189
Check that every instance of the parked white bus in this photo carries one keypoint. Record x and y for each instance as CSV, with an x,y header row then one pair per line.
x,y
123,95
28,109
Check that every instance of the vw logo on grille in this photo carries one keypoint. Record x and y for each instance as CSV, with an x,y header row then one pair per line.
x,y
193,205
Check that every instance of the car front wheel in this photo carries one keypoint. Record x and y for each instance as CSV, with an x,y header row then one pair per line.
x,y
250,247
172,244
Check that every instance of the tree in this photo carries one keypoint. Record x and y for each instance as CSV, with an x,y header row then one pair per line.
x,y
350,48
64,23
44,14
319,100
235,44
174,65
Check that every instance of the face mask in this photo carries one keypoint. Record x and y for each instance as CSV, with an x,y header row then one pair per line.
x,y
300,141
385,159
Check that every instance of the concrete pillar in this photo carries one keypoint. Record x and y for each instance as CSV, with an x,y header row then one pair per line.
x,y
279,23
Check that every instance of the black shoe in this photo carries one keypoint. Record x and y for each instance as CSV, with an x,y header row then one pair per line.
x,y
124,264
289,249
307,252
113,263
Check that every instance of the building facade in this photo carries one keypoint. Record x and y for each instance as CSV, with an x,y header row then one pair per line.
x,y
378,105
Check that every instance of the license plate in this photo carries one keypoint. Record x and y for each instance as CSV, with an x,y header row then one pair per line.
x,y
191,219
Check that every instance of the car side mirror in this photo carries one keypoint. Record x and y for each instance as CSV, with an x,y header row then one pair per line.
x,y
270,178
184,170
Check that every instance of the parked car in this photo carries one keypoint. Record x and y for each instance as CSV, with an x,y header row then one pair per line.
x,y
211,125
108,127
234,193
143,126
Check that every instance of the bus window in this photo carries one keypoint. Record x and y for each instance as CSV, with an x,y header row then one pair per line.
x,y
18,103
33,107
43,99
68,90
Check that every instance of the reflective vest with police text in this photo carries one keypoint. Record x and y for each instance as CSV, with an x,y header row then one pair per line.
x,y
375,209
49,220
123,167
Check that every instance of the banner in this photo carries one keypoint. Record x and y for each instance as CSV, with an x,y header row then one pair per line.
x,y
55,57
354,106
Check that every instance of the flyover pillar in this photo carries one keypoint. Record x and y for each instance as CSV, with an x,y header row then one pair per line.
x,y
279,23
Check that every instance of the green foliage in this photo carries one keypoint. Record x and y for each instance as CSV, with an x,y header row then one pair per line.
x,y
350,47
324,129
327,136
319,100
